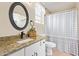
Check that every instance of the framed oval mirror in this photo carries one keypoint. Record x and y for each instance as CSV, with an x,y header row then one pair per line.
x,y
18,15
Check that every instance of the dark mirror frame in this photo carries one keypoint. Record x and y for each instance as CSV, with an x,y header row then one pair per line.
x,y
12,7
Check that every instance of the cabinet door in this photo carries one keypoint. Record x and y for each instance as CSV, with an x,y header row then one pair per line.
x,y
41,49
31,50
37,49
18,53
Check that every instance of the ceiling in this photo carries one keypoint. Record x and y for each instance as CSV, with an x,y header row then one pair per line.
x,y
57,6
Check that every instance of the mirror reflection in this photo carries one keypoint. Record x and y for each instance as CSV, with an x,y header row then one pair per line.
x,y
19,16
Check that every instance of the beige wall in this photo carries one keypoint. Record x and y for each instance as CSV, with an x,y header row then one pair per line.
x,y
6,29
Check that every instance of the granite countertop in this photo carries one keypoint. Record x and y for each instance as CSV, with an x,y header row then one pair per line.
x,y
8,46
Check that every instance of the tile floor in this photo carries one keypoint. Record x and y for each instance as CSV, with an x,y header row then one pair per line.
x,y
56,52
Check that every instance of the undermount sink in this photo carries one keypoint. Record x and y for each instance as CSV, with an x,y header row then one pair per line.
x,y
24,41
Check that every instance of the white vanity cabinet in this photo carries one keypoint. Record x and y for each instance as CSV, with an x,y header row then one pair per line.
x,y
36,49
18,53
